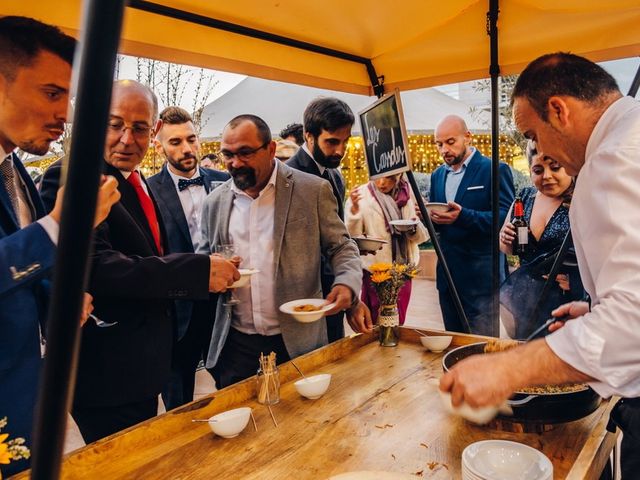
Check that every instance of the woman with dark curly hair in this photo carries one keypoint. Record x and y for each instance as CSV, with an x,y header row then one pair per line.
x,y
546,210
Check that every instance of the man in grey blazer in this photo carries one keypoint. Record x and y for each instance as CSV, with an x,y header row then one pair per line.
x,y
279,220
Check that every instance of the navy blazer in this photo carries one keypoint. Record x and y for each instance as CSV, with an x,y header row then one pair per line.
x,y
178,236
26,259
466,243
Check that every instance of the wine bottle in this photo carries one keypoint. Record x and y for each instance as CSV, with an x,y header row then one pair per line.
x,y
521,242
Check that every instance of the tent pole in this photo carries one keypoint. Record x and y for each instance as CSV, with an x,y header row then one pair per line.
x,y
635,84
426,220
101,26
494,71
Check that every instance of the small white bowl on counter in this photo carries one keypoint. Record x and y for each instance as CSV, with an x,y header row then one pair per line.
x,y
229,424
313,387
436,343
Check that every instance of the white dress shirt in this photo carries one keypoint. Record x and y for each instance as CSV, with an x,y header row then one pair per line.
x,y
191,199
605,223
251,232
24,213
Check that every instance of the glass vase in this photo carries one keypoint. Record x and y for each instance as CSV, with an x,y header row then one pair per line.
x,y
268,386
388,323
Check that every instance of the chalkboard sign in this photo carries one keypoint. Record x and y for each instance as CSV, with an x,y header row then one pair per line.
x,y
385,138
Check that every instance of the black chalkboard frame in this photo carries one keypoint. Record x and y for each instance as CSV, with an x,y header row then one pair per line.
x,y
367,136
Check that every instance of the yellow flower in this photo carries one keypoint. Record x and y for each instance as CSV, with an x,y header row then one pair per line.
x,y
400,267
5,454
379,277
380,267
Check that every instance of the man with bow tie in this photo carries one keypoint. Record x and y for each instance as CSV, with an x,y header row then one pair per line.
x,y
180,189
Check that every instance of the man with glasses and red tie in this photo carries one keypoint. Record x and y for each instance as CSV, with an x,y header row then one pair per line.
x,y
125,362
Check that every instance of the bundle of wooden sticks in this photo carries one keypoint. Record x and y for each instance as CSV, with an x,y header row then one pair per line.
x,y
270,384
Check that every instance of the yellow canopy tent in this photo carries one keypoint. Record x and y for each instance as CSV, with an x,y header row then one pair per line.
x,y
346,45
413,43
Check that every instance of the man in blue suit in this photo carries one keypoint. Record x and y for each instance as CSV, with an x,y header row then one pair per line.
x,y
464,182
35,70
180,189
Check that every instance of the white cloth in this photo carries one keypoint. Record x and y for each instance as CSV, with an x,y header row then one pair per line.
x,y
191,199
251,232
370,221
24,210
605,343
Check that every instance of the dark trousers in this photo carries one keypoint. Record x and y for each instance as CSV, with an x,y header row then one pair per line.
x,y
626,416
335,327
99,422
187,353
476,307
240,356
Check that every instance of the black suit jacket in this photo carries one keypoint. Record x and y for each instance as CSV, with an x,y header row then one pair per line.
x,y
178,236
302,161
132,285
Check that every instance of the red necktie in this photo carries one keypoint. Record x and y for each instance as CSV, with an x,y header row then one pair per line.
x,y
147,207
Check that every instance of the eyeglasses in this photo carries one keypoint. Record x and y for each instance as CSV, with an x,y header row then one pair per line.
x,y
137,130
242,154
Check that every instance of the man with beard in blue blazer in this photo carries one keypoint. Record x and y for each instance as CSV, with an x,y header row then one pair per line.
x,y
180,189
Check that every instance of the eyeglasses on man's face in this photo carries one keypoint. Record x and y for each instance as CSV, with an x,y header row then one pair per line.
x,y
137,129
243,154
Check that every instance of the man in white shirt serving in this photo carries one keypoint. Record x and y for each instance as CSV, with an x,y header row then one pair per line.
x,y
575,112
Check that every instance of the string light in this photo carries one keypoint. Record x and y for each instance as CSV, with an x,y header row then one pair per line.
x,y
422,148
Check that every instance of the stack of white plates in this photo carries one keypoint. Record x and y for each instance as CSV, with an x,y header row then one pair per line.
x,y
504,460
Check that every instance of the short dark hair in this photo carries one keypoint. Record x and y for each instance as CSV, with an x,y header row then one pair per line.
x,y
175,116
293,130
327,113
264,133
565,74
23,38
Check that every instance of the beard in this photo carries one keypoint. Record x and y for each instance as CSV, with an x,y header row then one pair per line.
x,y
181,165
243,177
451,161
35,148
332,161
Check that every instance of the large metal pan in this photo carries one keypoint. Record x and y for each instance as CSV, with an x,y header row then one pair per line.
x,y
540,408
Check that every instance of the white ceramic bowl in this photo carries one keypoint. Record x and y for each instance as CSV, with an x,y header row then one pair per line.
x,y
229,424
478,416
369,244
245,277
306,317
437,207
403,225
313,387
505,460
436,343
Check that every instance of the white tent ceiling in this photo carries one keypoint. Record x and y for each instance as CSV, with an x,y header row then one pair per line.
x,y
279,104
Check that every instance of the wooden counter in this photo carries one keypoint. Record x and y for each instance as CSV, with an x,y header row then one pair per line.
x,y
378,414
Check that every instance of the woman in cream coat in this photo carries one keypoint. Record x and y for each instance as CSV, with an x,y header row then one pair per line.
x,y
368,211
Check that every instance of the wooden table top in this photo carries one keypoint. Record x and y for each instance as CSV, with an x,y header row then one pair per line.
x,y
378,414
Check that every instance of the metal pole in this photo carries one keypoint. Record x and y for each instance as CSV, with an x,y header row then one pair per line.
x,y
635,84
551,279
101,26
426,219
494,70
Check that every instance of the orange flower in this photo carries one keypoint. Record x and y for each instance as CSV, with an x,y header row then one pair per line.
x,y
379,277
380,267
5,454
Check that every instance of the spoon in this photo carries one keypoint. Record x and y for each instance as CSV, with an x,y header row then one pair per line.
x,y
299,371
194,420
